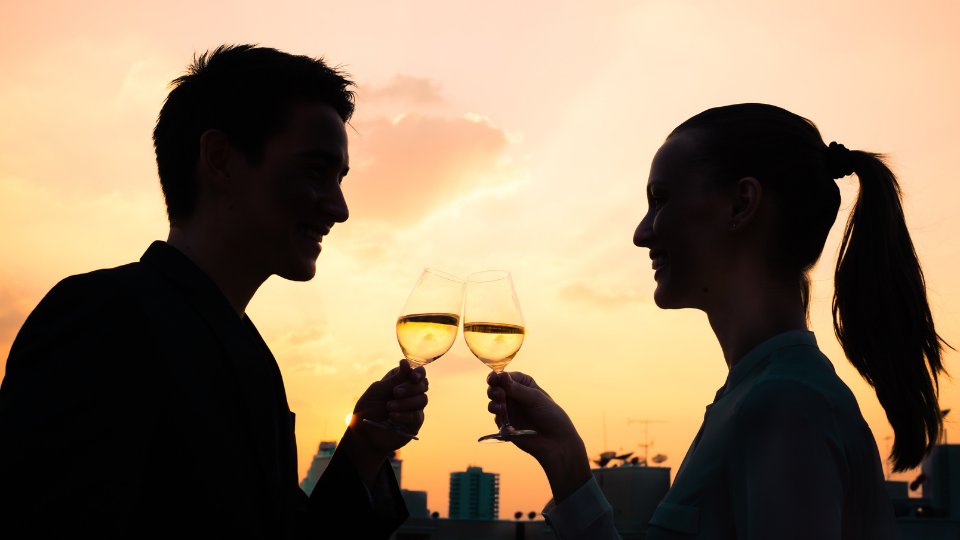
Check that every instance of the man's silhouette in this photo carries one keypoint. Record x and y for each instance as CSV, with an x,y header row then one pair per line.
x,y
141,400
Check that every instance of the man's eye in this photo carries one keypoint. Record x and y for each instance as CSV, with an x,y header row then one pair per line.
x,y
314,172
655,203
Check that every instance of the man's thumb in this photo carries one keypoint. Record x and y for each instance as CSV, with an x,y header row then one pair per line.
x,y
521,388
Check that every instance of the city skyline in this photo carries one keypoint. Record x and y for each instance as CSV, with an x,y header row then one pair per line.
x,y
500,135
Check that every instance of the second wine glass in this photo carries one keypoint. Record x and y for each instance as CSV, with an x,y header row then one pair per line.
x,y
427,325
493,329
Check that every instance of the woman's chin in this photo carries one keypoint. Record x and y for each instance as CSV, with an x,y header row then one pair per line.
x,y
663,298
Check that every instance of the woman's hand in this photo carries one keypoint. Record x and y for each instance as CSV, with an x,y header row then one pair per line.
x,y
557,446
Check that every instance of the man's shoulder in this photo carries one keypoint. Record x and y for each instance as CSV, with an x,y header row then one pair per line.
x,y
94,308
86,291
103,277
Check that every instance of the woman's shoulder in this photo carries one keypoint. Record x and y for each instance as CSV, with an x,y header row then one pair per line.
x,y
800,385
802,373
773,395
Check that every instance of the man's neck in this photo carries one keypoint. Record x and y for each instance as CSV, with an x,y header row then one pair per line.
x,y
228,269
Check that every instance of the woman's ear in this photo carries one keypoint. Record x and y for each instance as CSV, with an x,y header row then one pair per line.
x,y
746,200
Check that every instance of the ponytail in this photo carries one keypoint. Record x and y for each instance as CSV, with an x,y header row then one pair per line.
x,y
881,315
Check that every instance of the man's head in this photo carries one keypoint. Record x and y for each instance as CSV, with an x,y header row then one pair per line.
x,y
251,149
245,92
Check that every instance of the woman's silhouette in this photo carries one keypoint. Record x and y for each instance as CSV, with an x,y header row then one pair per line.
x,y
741,199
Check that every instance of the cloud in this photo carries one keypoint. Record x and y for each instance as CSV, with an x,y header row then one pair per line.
x,y
581,292
403,169
402,89
319,369
307,335
14,309
378,366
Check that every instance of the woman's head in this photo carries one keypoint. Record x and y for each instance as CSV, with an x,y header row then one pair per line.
x,y
762,168
786,155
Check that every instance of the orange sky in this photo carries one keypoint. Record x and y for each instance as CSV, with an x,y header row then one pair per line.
x,y
512,135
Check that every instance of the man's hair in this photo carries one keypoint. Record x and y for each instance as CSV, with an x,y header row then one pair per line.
x,y
246,92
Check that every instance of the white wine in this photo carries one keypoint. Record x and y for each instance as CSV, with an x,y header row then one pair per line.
x,y
427,336
493,343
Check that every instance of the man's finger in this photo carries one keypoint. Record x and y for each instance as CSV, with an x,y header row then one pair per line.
x,y
409,420
407,389
408,404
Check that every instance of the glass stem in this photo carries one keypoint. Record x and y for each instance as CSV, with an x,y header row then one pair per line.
x,y
506,416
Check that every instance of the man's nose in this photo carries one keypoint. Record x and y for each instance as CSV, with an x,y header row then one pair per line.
x,y
335,206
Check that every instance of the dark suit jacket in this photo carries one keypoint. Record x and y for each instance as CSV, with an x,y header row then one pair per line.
x,y
137,403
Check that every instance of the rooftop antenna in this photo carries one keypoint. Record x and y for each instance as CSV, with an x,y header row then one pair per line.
x,y
605,429
646,443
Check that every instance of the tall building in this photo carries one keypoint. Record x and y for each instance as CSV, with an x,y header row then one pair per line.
x,y
320,461
397,465
416,502
474,494
322,458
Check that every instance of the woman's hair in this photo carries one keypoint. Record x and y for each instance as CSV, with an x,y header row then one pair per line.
x,y
880,310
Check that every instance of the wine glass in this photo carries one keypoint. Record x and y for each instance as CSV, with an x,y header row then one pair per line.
x,y
427,325
493,329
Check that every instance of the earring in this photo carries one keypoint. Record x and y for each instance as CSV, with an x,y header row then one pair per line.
x,y
733,226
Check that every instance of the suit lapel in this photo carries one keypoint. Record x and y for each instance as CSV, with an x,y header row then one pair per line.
x,y
247,359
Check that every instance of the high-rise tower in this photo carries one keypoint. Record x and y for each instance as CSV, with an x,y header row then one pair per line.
x,y
474,494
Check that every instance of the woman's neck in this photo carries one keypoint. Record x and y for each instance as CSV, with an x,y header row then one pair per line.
x,y
754,313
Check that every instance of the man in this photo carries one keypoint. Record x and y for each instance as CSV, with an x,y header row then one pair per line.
x,y
141,401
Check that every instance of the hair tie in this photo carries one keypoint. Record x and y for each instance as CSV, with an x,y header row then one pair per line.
x,y
837,161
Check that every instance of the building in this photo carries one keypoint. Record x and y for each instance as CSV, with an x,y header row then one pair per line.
x,y
320,461
935,515
416,502
322,458
397,465
472,529
634,491
474,494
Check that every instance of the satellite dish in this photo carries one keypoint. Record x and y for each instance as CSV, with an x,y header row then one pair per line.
x,y
606,457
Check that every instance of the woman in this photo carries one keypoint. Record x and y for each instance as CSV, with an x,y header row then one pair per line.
x,y
741,199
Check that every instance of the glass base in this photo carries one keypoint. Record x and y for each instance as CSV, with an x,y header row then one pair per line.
x,y
390,426
506,433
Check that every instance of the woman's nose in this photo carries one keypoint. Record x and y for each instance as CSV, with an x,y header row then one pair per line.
x,y
641,236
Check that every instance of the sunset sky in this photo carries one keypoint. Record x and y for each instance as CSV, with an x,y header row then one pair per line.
x,y
510,135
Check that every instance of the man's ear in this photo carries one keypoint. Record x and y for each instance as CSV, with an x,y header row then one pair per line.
x,y
746,201
216,158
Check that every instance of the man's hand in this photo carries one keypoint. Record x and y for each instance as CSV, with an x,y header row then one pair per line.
x,y
400,397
